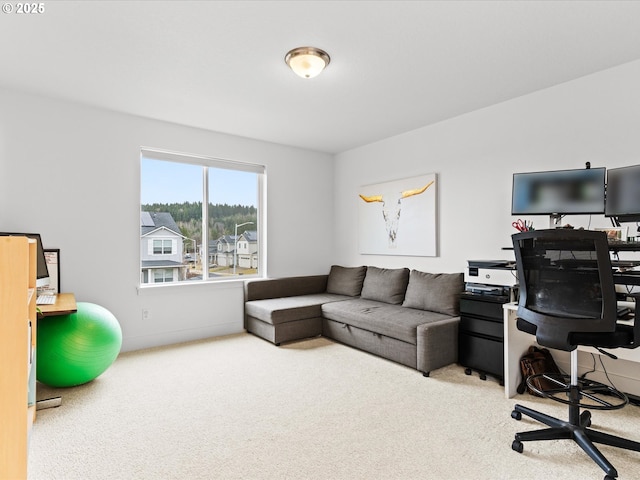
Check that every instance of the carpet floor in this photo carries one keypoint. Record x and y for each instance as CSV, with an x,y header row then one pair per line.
x,y
237,407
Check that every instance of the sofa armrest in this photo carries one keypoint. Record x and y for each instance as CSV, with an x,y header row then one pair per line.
x,y
437,344
261,289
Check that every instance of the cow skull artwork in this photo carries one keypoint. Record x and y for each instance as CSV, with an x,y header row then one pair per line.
x,y
391,205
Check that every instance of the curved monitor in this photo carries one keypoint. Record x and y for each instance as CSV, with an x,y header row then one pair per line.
x,y
623,193
560,192
42,274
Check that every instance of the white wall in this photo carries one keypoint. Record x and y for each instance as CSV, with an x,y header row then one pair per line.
x,y
595,118
72,173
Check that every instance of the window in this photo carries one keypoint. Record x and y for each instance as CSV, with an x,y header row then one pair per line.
x,y
193,211
162,247
163,275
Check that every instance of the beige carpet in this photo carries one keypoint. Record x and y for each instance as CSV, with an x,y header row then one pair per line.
x,y
238,407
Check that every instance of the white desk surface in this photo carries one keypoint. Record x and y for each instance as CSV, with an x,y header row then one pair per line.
x,y
516,344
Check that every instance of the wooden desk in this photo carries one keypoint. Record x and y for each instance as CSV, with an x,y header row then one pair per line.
x,y
65,304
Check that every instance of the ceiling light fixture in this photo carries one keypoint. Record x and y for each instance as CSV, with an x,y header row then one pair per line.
x,y
307,62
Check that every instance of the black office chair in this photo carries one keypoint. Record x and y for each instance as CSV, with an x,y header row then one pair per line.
x,y
567,298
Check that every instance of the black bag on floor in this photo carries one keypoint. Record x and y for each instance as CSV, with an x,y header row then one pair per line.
x,y
537,361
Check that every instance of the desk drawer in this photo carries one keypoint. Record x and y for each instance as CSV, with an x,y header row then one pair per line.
x,y
481,308
482,327
481,354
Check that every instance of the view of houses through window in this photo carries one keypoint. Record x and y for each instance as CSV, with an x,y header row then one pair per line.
x,y
199,218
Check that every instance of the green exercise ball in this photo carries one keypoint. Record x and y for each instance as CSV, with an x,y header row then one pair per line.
x,y
74,349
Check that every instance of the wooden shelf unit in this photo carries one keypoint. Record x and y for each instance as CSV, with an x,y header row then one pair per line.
x,y
17,353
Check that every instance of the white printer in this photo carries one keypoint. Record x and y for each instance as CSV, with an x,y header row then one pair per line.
x,y
492,277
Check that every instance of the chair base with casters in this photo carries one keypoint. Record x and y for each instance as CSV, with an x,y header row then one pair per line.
x,y
576,395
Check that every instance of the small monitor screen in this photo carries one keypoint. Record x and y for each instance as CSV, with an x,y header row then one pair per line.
x,y
623,192
558,192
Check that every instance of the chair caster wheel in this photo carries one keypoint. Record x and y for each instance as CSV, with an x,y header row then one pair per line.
x,y
467,371
609,477
516,415
483,376
516,446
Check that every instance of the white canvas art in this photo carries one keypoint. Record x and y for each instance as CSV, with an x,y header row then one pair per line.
x,y
398,217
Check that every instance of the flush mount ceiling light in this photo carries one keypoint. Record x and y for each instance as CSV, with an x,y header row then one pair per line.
x,y
307,62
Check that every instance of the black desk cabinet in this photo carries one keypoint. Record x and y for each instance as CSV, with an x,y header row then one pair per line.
x,y
481,335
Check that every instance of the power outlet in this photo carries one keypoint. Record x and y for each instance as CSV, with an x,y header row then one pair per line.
x,y
146,314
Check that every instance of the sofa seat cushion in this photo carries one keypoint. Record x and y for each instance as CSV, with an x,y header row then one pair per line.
x,y
394,321
289,309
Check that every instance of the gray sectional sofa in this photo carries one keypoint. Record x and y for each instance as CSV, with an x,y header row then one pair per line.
x,y
410,317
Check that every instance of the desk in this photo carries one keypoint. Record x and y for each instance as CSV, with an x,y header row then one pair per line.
x,y
65,304
624,246
630,278
516,344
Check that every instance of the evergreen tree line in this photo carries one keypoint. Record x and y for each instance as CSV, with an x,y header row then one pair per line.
x,y
222,219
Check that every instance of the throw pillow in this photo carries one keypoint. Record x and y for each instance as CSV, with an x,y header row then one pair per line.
x,y
385,285
436,292
346,280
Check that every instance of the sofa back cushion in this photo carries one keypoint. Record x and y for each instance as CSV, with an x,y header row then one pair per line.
x,y
263,288
346,280
436,292
385,285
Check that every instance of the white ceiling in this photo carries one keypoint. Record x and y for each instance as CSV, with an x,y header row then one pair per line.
x,y
395,66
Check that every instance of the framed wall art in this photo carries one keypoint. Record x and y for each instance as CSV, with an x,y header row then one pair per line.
x,y
398,217
52,256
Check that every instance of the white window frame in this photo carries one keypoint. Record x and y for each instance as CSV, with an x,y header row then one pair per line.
x,y
211,162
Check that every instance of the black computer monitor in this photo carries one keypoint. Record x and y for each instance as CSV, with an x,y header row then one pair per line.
x,y
559,192
623,194
42,274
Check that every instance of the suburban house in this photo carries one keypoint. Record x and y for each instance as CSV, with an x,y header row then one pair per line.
x,y
248,249
223,250
161,248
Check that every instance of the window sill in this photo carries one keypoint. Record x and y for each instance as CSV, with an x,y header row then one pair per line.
x,y
235,282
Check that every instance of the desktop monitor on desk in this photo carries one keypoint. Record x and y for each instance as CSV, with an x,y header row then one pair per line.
x,y
42,275
623,194
560,192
